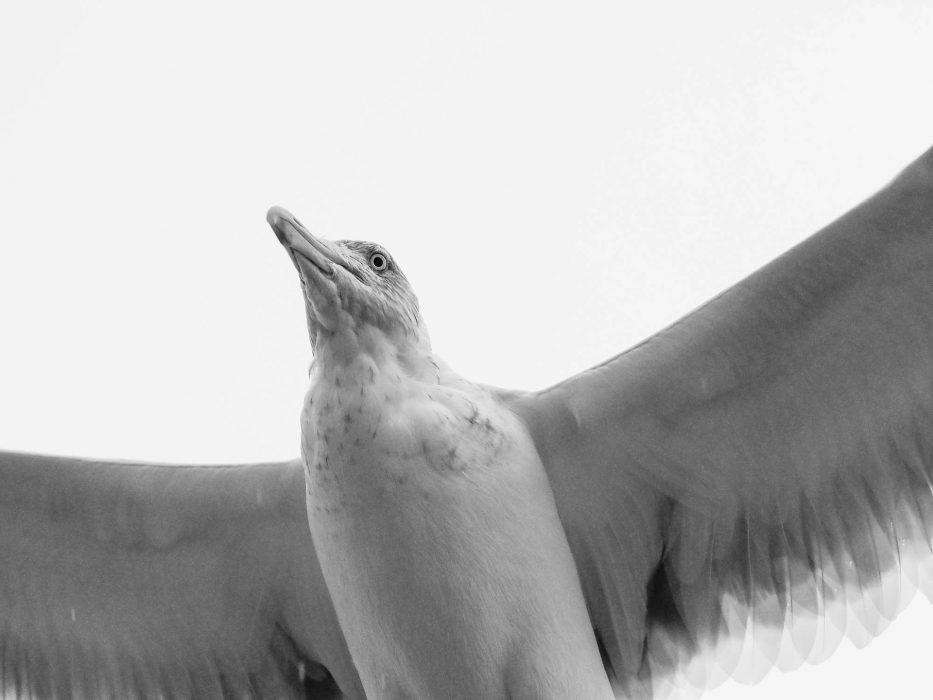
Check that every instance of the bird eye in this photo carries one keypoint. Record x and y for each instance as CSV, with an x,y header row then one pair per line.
x,y
378,262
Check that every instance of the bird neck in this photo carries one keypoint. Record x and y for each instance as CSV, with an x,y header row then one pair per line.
x,y
359,355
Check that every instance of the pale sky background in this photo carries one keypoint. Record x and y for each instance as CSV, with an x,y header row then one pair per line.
x,y
557,183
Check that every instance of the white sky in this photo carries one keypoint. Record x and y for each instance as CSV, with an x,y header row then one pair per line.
x,y
558,184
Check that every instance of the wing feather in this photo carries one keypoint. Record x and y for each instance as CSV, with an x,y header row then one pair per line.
x,y
136,580
765,463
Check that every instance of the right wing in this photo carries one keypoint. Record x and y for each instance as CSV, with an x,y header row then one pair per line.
x,y
136,580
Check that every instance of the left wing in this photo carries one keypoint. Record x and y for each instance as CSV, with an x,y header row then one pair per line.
x,y
762,470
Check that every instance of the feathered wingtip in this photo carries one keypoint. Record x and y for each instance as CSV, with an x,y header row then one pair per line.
x,y
787,614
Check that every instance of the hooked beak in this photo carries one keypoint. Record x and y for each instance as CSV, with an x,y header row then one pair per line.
x,y
315,261
299,241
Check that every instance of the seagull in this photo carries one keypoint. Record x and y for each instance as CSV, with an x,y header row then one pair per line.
x,y
741,491
429,507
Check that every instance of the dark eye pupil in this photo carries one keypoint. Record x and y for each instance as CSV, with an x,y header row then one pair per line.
x,y
378,262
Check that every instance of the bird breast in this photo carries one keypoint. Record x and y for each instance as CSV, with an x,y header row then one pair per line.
x,y
366,430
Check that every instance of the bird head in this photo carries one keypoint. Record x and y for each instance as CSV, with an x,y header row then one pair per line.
x,y
357,300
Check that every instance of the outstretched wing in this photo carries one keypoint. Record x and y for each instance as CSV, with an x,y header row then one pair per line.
x,y
134,580
760,470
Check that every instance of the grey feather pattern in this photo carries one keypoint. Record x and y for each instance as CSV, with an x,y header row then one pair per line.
x,y
779,444
131,580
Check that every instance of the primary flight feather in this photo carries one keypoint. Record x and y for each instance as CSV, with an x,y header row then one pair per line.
x,y
741,490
